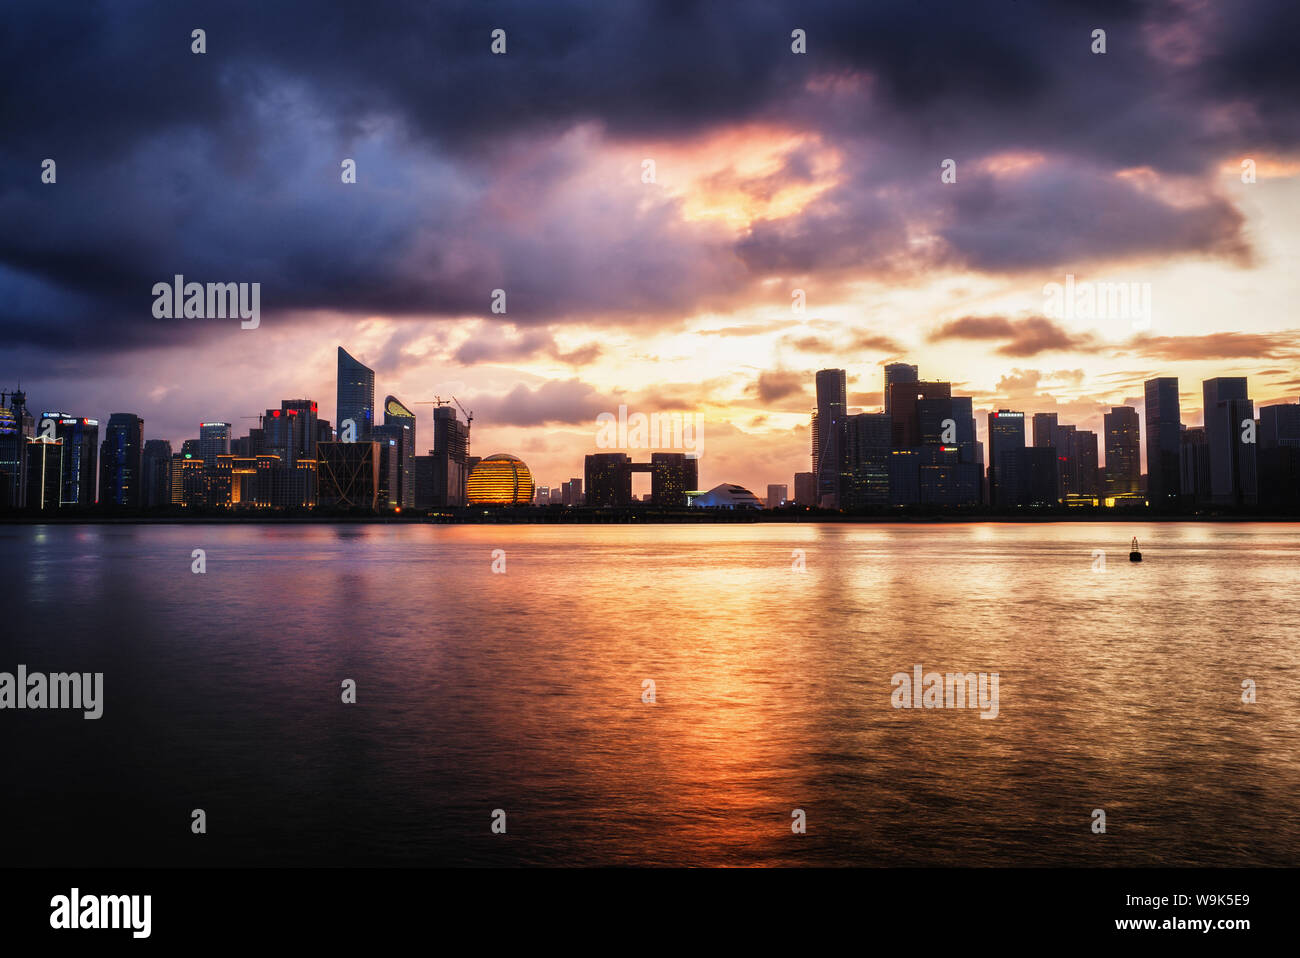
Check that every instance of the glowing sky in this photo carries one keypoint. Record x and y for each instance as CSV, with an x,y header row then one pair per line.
x,y
773,172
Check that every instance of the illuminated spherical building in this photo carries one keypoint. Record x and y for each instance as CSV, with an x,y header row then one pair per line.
x,y
500,480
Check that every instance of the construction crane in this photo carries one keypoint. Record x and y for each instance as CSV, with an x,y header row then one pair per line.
x,y
258,418
469,416
469,422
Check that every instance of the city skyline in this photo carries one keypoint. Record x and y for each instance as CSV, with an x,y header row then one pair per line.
x,y
1115,461
810,181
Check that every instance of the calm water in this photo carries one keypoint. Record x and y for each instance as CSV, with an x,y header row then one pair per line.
x,y
1118,690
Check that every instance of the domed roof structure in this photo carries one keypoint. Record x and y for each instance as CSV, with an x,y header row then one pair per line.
x,y
500,480
728,495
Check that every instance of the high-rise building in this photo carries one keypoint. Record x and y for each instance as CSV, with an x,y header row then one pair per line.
x,y
214,440
832,408
1194,467
777,494
156,465
44,472
348,474
1279,425
898,373
571,492
1123,451
450,466
1229,413
1164,442
13,449
291,435
356,396
904,477
1044,424
1028,476
1006,429
1062,440
1278,456
121,461
80,457
390,467
672,475
805,488
396,414
869,441
609,479
1084,463
908,402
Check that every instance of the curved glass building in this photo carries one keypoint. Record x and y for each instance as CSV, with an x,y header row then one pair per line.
x,y
500,480
356,396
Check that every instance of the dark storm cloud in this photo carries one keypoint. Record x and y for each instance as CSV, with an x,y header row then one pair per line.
x,y
225,166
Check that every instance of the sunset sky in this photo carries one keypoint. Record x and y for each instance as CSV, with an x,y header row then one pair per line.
x,y
773,171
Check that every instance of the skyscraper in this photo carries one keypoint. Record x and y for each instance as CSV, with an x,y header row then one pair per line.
x,y
1084,468
13,449
156,475
1164,442
609,479
906,409
450,466
80,457
867,449
898,373
1278,456
1194,467
1006,430
805,489
1123,452
1044,424
672,475
44,472
121,461
832,407
356,396
214,440
1229,418
400,424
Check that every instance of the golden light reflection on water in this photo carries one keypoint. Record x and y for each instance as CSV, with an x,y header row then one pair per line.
x,y
1119,689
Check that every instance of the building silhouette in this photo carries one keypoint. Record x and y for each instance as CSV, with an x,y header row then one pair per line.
x,y
898,373
1228,411
1123,451
1164,442
1006,432
121,461
829,426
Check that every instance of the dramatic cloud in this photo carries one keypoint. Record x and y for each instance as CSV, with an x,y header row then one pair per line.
x,y
777,384
1280,345
1023,337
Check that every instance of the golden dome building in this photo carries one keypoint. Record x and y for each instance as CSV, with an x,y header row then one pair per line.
x,y
500,480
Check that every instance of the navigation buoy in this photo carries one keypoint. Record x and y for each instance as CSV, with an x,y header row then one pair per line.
x,y
1134,555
